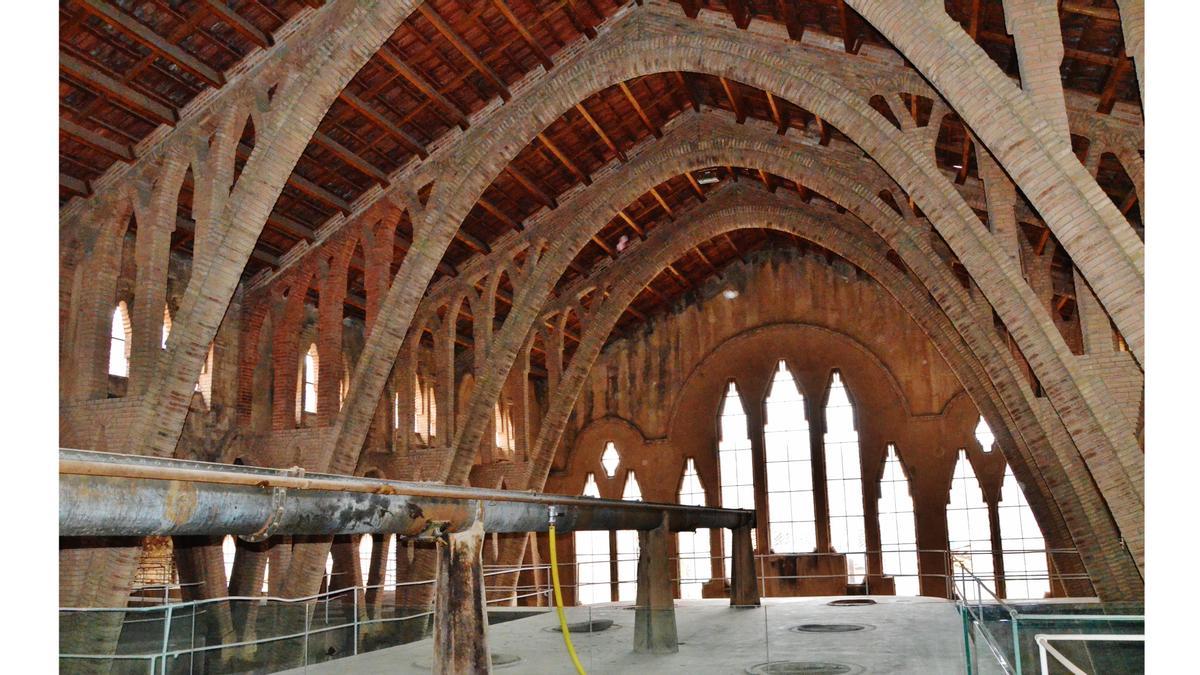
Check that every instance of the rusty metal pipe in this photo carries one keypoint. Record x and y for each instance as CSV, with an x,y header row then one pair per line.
x,y
104,494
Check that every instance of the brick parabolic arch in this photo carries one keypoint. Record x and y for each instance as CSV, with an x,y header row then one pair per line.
x,y
659,41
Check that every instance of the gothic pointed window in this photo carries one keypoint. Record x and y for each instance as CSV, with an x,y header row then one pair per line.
x,y
609,459
592,559
365,544
119,343
843,481
309,392
897,526
1026,573
968,524
983,434
736,464
695,557
628,547
792,519
166,328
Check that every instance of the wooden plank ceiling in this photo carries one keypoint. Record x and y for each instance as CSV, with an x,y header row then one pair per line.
x,y
127,66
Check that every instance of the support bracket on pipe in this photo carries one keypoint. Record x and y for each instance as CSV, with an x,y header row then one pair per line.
x,y
278,501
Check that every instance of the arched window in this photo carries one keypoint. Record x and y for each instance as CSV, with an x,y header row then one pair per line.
x,y
1025,570
735,463
897,526
792,519
609,459
365,543
967,522
120,342
505,434
592,559
983,434
424,410
166,326
228,552
329,572
204,382
308,393
628,547
695,558
843,481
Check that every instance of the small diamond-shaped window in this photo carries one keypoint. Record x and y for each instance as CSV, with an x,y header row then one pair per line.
x,y
610,459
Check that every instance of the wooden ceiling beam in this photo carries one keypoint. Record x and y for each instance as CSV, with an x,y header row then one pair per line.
x,y
566,161
695,186
1103,13
393,60
781,125
600,132
351,158
384,123
791,18
74,185
143,35
738,109
100,82
688,84
500,215
475,243
533,188
851,34
518,26
708,263
637,107
573,16
633,224
120,151
1108,95
237,22
736,251
662,202
740,12
691,8
431,15
1068,52
823,130
302,184
766,179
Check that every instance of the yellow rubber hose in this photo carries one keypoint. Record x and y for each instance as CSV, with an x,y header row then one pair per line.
x,y
558,604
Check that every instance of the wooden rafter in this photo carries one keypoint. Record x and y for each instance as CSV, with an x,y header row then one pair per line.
x,y
637,107
533,43
117,150
351,158
378,119
96,80
143,35
739,110
396,63
533,188
781,124
600,132
237,22
791,18
431,15
566,161
740,12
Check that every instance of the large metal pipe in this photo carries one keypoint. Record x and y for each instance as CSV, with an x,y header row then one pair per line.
x,y
105,494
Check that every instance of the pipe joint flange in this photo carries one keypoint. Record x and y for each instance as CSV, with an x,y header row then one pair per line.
x,y
278,500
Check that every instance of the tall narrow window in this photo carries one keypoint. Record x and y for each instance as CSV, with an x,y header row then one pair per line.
x,y
627,547
736,463
968,524
228,552
898,527
592,559
505,436
166,326
792,519
695,561
420,405
1025,570
118,344
365,544
843,480
983,434
310,380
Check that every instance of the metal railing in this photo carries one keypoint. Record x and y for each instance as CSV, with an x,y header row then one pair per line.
x,y
167,654
976,600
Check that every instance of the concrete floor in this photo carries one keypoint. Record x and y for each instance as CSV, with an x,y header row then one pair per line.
x,y
902,635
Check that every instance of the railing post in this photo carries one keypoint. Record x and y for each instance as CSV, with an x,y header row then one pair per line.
x,y
355,593
166,638
306,624
192,639
1016,642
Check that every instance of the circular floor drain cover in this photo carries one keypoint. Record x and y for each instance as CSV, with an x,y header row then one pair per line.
x,y
828,627
852,602
593,626
799,668
498,661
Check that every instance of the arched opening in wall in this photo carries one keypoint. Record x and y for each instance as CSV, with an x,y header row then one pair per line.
x,y
1026,570
983,434
898,526
968,524
792,515
1119,187
245,147
505,433
365,543
695,556
592,559
327,582
628,546
228,553
306,393
610,459
166,327
120,341
344,383
204,382
843,481
735,463
424,410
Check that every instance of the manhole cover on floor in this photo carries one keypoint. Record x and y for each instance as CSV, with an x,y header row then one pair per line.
x,y
593,626
829,627
852,602
799,668
498,661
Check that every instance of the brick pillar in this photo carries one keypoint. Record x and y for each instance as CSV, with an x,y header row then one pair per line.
x,y
460,617
1001,198
1037,36
743,586
377,574
1093,320
329,343
654,630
